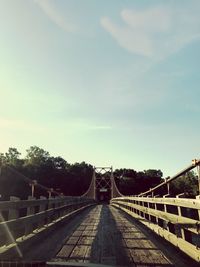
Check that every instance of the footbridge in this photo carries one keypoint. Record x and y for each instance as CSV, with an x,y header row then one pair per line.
x,y
102,227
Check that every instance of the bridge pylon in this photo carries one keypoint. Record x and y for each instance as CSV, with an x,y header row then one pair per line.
x,y
114,190
102,186
91,193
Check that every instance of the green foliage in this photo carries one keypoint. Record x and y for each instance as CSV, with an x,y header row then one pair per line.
x,y
185,184
36,156
12,156
131,182
59,163
52,172
2,159
74,179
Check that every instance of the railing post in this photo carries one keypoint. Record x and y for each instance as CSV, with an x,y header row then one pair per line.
x,y
166,223
50,191
64,203
148,207
180,228
32,184
14,212
156,216
198,171
50,206
168,189
70,208
198,197
30,211
62,213
56,206
42,208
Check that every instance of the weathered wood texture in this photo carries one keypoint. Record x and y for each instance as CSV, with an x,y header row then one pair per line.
x,y
108,237
19,219
176,220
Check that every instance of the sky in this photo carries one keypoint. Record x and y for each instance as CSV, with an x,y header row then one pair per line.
x,y
113,83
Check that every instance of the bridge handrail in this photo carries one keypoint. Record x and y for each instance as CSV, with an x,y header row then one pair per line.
x,y
195,163
37,214
5,205
182,202
177,220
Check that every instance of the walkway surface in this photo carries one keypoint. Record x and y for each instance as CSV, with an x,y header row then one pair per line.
x,y
108,236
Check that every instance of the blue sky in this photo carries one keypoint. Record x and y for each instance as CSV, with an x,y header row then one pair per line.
x,y
107,82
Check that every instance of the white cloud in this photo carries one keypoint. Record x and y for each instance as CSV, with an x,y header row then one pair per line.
x,y
138,44
155,32
50,10
100,127
82,125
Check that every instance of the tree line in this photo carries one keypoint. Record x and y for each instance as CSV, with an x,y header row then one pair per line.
x,y
74,179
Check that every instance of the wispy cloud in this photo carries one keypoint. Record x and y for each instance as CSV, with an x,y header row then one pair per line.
x,y
155,32
53,14
82,125
100,127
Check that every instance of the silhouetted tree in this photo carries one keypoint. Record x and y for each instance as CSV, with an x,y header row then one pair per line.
x,y
74,179
187,184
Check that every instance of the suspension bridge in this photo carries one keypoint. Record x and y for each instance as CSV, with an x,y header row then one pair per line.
x,y
102,227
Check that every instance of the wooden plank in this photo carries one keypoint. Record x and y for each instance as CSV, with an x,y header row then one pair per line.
x,y
65,251
73,240
77,248
111,239
77,233
183,245
78,253
141,251
85,240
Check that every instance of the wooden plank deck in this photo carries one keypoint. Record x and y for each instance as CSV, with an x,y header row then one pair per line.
x,y
108,237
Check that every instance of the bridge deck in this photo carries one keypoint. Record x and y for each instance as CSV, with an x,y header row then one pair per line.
x,y
107,236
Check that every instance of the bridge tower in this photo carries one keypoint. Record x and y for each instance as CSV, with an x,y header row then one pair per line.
x,y
102,186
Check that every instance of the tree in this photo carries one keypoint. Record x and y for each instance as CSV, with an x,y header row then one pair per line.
x,y
152,178
59,163
81,175
131,182
12,156
2,162
187,184
156,174
2,159
36,155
